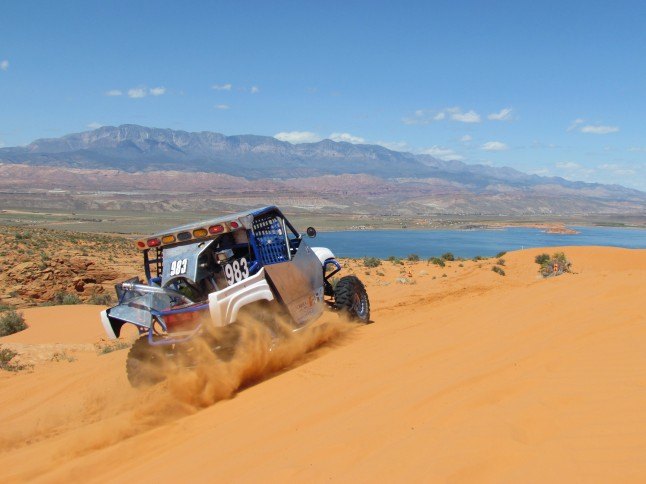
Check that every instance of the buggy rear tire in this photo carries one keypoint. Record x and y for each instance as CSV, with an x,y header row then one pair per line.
x,y
351,299
144,364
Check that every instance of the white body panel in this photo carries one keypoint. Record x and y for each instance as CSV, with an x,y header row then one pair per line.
x,y
106,325
224,305
323,253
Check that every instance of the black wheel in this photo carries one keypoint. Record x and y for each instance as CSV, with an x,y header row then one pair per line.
x,y
144,364
351,299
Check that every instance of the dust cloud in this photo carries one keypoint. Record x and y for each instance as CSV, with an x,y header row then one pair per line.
x,y
195,379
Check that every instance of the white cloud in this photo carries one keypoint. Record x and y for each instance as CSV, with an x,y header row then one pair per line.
x,y
4,65
599,129
255,89
222,106
567,165
591,128
503,115
494,146
466,138
297,137
423,117
347,137
441,153
575,171
114,92
617,169
222,87
94,125
468,117
419,117
157,91
575,124
137,92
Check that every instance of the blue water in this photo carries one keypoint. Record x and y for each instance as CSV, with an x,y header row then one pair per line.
x,y
468,243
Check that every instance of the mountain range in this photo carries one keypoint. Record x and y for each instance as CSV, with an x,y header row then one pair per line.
x,y
376,175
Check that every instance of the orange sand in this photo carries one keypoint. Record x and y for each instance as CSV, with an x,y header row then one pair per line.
x,y
469,377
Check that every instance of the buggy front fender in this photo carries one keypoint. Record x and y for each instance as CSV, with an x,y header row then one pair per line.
x,y
224,305
107,325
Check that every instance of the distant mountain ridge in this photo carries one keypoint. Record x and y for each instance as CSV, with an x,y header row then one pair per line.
x,y
368,178
136,148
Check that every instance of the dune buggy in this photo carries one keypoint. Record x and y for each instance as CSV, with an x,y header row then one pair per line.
x,y
200,276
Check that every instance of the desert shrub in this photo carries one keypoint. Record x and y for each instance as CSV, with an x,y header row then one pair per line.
x,y
371,262
479,257
109,348
437,261
11,322
541,259
500,262
396,260
406,280
6,355
413,257
498,270
65,298
448,256
100,299
62,356
500,254
558,259
379,273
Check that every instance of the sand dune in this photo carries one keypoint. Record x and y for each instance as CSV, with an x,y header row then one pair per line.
x,y
472,376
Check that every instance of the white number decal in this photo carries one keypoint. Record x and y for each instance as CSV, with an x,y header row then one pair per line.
x,y
236,271
178,267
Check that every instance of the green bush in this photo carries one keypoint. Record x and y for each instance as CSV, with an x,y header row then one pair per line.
x,y
501,262
479,257
6,355
547,266
11,322
413,257
437,261
498,270
448,256
65,298
541,259
500,254
371,262
100,299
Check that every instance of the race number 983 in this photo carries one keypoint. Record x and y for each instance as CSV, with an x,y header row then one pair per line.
x,y
236,271
178,267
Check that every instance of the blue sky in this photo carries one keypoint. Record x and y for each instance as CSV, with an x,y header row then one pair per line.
x,y
555,88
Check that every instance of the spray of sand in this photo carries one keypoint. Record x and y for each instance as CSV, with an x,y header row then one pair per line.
x,y
196,381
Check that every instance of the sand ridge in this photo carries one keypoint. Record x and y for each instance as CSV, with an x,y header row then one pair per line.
x,y
472,376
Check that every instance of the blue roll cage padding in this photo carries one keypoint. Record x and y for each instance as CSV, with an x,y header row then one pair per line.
x,y
270,240
335,263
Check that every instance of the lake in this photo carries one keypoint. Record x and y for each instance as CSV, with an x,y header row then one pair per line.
x,y
468,243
